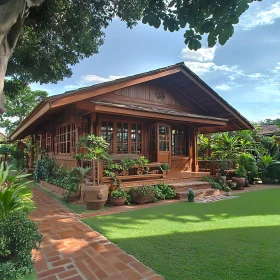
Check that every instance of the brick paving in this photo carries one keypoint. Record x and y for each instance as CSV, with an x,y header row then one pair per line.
x,y
72,250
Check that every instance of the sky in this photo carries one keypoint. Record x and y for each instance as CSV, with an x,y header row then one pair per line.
x,y
245,71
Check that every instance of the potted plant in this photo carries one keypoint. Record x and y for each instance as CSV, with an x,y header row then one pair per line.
x,y
142,168
143,194
125,165
240,177
118,197
82,173
96,195
164,168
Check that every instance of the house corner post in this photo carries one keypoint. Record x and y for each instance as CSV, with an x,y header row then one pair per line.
x,y
194,150
31,163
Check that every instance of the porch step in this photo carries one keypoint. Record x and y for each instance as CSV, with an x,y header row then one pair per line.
x,y
183,195
185,185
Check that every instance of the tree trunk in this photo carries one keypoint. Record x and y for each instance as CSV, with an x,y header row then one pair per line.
x,y
12,15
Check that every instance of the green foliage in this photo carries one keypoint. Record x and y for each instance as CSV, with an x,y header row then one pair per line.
x,y
240,172
250,165
191,195
14,193
142,161
19,157
18,237
19,108
165,166
95,145
143,191
215,182
44,168
164,191
119,193
273,172
81,172
215,18
127,163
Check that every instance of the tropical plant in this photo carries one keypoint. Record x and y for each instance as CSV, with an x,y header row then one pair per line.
x,y
264,164
127,163
95,147
240,172
143,191
250,165
81,172
142,161
44,168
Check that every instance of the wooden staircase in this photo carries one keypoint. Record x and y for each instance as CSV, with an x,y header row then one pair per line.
x,y
200,189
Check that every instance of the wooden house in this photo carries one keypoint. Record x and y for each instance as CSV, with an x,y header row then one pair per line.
x,y
157,114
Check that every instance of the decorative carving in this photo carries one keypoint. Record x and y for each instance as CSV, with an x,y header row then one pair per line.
x,y
160,93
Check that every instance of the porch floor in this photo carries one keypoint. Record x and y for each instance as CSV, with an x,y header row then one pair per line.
x,y
172,177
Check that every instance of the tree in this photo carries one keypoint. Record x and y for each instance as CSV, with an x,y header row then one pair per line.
x,y
19,108
53,35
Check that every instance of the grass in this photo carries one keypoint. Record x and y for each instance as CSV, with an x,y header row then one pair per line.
x,y
77,208
230,239
30,277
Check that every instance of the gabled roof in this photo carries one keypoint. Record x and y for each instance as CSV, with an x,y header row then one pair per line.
x,y
180,77
268,129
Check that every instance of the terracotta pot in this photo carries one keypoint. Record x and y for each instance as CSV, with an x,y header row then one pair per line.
x,y
141,200
95,196
240,182
117,201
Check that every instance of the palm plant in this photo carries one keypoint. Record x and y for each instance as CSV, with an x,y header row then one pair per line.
x,y
14,194
82,172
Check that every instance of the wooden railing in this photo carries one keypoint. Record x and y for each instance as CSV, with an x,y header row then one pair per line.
x,y
214,166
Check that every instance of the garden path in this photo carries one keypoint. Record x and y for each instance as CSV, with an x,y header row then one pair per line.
x,y
72,250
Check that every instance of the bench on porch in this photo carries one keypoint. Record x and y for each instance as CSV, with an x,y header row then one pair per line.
x,y
139,170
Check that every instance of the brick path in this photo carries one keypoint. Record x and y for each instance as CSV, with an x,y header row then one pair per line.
x,y
72,250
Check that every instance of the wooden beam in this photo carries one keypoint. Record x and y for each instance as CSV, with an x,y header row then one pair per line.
x,y
219,100
85,106
37,115
91,92
136,113
188,97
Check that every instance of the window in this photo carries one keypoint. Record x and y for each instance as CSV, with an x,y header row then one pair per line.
x,y
107,130
66,138
122,137
136,133
178,141
163,133
48,141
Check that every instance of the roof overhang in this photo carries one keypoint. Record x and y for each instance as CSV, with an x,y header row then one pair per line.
x,y
171,73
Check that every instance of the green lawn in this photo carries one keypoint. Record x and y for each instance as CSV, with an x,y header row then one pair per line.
x,y
30,277
230,239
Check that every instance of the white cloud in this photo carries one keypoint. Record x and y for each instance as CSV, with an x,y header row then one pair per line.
x,y
99,79
223,87
276,69
71,87
202,55
261,17
201,68
255,76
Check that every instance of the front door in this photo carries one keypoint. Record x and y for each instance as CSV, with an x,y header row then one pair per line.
x,y
160,143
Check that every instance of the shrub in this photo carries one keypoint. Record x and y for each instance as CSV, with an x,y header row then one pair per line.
x,y
164,166
119,193
191,195
164,191
215,182
44,168
273,172
143,191
250,165
18,237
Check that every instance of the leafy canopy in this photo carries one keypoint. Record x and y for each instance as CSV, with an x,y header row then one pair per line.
x,y
60,33
19,108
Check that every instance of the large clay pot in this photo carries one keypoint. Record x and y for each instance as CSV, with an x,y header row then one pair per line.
x,y
240,182
141,200
117,201
95,196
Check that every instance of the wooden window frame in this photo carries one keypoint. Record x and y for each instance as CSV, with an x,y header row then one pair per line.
x,y
182,145
66,138
129,142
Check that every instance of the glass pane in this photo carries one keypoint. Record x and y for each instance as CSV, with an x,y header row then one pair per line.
x,y
125,147
110,125
103,125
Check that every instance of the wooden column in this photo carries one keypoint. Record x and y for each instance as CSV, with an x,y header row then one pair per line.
x,y
31,164
195,150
